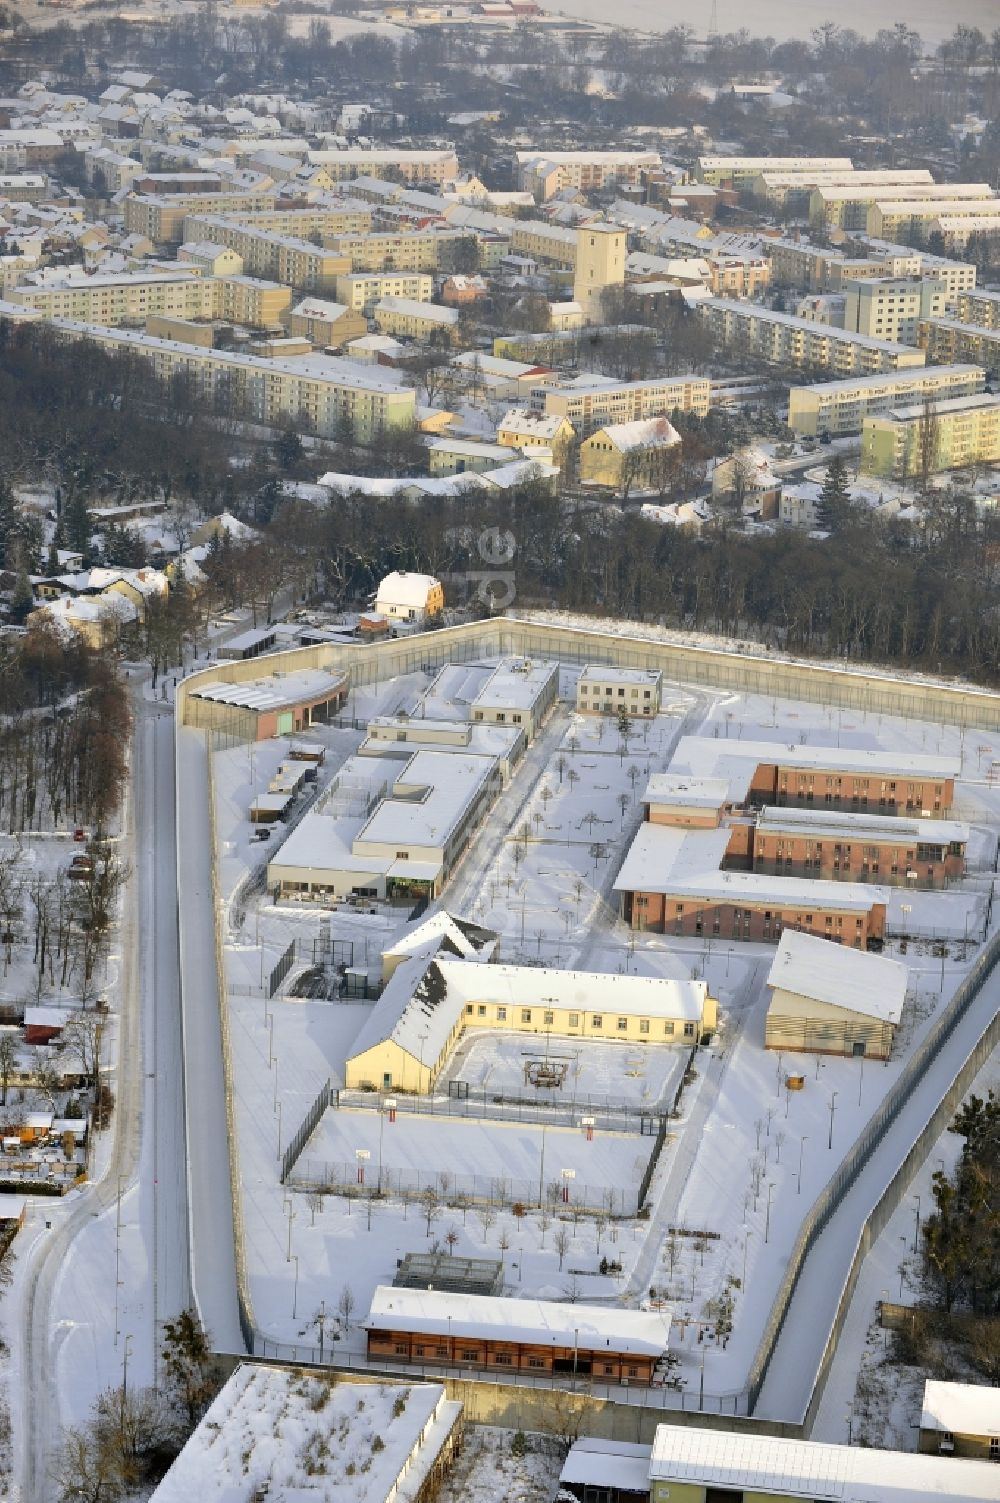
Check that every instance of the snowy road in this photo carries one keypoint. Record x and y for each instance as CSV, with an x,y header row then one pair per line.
x,y
78,1308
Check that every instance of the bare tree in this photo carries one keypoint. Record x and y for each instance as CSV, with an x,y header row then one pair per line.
x,y
430,1205
928,443
8,1062
82,1037
486,1216
561,1242
345,1306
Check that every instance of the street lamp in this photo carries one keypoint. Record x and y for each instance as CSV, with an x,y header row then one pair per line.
x,y
833,1108
802,1143
916,1229
747,1234
295,1287
861,1080
576,1348
767,1216
291,1217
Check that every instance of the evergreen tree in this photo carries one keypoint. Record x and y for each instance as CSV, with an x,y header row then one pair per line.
x,y
77,527
834,501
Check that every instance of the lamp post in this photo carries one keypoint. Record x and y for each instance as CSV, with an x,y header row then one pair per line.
x,y
576,1348
747,1234
802,1143
833,1108
767,1214
701,1381
916,1229
295,1287
291,1217
541,1168
861,1080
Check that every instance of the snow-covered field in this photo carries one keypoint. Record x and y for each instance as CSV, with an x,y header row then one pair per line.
x,y
595,1073
504,1162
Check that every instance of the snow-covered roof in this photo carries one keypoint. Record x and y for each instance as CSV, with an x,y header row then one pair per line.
x,y
430,797
687,863
589,1328
273,692
872,985
11,1207
811,1469
704,753
265,1430
696,793
618,1464
603,674
827,824
960,1408
400,588
467,939
514,683
530,424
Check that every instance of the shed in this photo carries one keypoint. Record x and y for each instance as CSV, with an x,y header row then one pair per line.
x,y
831,999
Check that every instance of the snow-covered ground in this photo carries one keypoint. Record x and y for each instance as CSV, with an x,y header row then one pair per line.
x,y
609,1075
728,1194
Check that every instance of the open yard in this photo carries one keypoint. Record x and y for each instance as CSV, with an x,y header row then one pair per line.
x,y
560,1071
503,1162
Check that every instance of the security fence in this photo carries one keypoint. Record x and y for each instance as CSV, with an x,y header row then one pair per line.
x,y
470,1191
831,1197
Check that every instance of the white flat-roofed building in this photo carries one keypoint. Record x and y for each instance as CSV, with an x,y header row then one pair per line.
x,y
672,798
837,407
433,165
613,691
399,735
830,999
264,1431
592,402
519,691
690,1465
407,846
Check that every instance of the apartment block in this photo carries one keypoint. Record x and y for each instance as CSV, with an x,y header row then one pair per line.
x,y
279,258
944,435
408,250
313,392
404,318
948,340
837,407
982,308
343,216
614,691
892,308
957,229
253,303
916,219
848,206
797,263
360,290
548,172
738,276
589,403
433,166
740,172
125,298
784,189
540,241
903,261
161,217
783,340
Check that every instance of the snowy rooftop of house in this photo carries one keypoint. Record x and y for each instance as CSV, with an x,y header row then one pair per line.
x,y
825,972
514,683
618,1464
960,1408
642,433
412,308
268,1428
825,823
687,863
541,1322
271,693
599,673
811,1469
315,307
530,424
705,753
402,588
696,793
466,938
